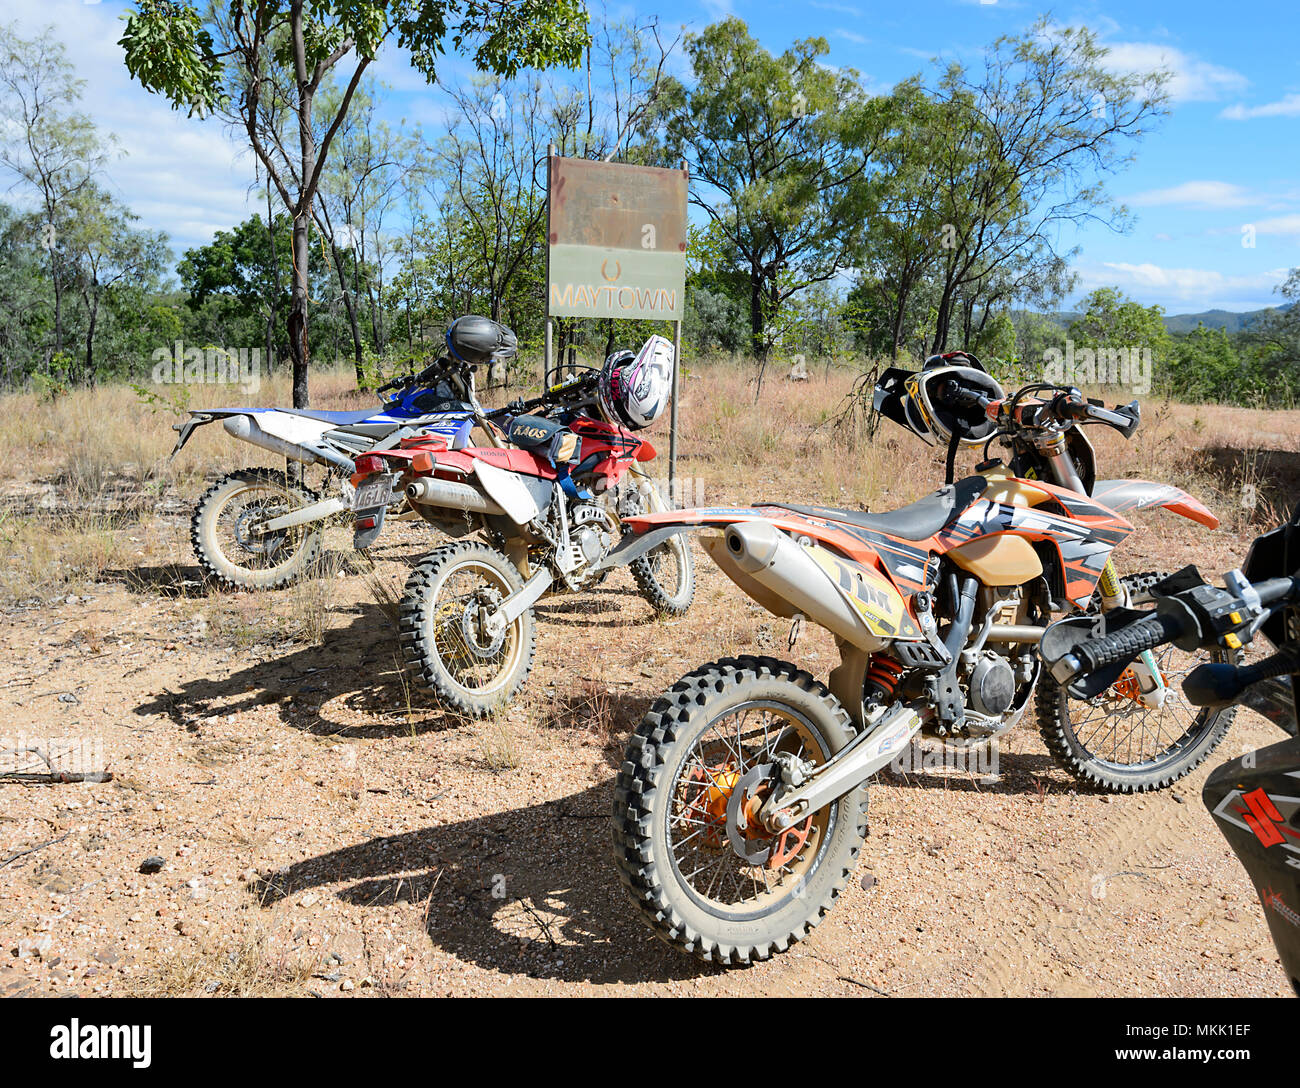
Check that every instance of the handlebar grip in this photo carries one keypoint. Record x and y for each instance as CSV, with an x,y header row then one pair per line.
x,y
1126,644
954,396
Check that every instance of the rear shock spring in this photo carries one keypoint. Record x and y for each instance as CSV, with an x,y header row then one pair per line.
x,y
882,678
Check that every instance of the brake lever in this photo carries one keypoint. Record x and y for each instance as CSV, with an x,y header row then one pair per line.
x,y
1124,419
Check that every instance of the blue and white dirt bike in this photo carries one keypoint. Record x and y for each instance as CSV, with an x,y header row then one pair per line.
x,y
263,528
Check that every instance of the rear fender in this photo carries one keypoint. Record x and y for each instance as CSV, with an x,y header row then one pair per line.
x,y
1124,495
200,416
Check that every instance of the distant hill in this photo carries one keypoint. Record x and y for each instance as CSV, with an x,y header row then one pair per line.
x,y
1180,323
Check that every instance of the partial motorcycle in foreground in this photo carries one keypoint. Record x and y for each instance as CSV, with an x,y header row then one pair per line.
x,y
1255,799
536,514
741,805
262,528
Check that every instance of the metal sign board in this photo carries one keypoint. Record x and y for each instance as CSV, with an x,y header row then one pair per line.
x,y
617,240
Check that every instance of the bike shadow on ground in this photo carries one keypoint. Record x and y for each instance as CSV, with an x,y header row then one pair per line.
x,y
172,580
604,606
351,686
1025,773
528,892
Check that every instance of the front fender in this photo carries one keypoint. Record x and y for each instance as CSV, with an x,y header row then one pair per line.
x,y
1123,495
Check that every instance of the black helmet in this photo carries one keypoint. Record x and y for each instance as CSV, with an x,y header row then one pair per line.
x,y
480,340
916,401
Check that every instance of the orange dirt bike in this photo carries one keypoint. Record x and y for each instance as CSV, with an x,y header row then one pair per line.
x,y
741,805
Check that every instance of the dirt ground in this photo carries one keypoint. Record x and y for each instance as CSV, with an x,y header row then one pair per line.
x,y
318,830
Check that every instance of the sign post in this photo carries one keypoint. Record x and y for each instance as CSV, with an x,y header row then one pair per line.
x,y
616,247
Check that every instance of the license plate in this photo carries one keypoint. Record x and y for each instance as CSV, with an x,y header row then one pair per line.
x,y
372,493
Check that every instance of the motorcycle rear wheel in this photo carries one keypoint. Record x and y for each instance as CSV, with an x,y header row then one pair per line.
x,y
691,887
1111,743
233,556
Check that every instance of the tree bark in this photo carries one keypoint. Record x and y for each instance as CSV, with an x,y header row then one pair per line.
x,y
299,349
88,371
756,314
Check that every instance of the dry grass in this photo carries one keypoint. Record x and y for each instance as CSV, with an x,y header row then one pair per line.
x,y
496,742
244,966
87,477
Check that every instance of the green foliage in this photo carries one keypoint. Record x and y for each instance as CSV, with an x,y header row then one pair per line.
x,y
170,52
783,140
177,403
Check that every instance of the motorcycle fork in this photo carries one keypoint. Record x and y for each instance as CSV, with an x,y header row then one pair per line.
x,y
1150,684
1151,689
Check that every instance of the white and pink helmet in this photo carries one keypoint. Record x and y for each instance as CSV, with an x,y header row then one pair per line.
x,y
634,389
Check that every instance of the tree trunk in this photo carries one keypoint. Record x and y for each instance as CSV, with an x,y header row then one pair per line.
x,y
273,303
92,306
58,304
756,314
298,342
349,304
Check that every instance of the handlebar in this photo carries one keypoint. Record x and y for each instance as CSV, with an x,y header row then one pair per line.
x,y
1127,643
1067,406
1073,407
1198,617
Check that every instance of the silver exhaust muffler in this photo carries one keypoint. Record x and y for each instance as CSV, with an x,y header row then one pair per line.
x,y
246,430
456,496
776,562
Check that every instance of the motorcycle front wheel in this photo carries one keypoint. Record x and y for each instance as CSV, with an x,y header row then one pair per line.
x,y
228,544
666,574
448,648
702,885
1112,742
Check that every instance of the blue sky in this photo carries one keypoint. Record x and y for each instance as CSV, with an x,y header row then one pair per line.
x,y
1223,166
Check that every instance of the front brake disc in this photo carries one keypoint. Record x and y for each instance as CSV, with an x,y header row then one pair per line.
x,y
754,851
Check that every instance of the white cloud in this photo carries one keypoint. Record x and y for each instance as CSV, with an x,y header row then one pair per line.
x,y
850,36
1191,79
1194,194
1284,225
1184,289
180,175
1287,106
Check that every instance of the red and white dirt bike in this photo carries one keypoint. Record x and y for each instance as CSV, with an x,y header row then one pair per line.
x,y
741,805
545,506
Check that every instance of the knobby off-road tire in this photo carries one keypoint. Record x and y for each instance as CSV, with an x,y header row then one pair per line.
x,y
666,576
1188,746
437,657
647,798
288,556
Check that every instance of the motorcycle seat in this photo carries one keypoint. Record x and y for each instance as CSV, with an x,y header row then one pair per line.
x,y
340,419
916,521
371,430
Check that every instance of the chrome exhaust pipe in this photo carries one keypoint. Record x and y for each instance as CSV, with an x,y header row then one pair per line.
x,y
457,496
777,563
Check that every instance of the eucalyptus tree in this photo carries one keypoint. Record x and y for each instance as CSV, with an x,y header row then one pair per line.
x,y
110,252
1021,146
780,151
244,57
50,148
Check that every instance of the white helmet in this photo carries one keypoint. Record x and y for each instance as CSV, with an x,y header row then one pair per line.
x,y
634,390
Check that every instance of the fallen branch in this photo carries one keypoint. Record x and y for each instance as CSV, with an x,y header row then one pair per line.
x,y
24,853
